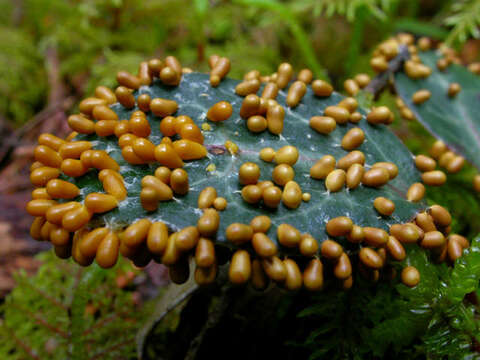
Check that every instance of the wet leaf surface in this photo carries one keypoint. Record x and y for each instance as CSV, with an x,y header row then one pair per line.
x,y
456,121
195,96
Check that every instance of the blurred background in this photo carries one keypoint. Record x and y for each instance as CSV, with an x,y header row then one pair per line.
x,y
55,52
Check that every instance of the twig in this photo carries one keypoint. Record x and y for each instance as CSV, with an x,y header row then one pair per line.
x,y
103,322
56,93
379,82
42,321
45,114
11,141
57,104
111,348
46,296
17,13
30,352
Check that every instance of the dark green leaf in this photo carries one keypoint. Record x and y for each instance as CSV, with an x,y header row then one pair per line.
x,y
195,96
456,121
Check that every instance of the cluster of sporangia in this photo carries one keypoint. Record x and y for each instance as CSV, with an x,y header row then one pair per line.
x,y
415,69
65,224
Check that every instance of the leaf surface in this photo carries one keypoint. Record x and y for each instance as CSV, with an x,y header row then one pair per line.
x,y
195,96
456,121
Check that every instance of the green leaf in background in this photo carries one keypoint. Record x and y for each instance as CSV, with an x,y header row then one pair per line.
x,y
420,27
454,120
195,96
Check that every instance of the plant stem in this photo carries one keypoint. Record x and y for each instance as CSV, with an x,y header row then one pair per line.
x,y
301,37
357,38
214,317
168,301
380,81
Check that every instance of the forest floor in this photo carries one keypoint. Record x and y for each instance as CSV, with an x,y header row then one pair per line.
x,y
17,248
